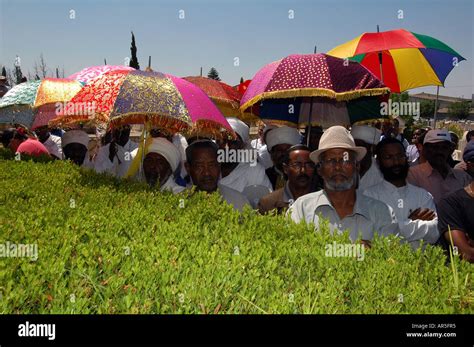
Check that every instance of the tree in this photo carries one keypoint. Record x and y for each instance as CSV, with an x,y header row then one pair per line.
x,y
133,49
213,74
427,108
41,69
460,109
396,97
18,73
241,80
4,72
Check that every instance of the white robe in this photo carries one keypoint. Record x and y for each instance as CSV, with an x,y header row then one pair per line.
x,y
122,159
53,145
245,175
372,177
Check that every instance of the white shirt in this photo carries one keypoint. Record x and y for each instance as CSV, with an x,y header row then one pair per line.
x,y
264,157
372,177
245,175
53,145
403,201
257,144
369,216
171,186
122,159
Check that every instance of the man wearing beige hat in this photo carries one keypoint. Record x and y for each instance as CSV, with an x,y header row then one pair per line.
x,y
435,175
346,208
369,172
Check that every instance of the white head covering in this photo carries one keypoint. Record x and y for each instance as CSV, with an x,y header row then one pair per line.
x,y
168,150
370,135
75,136
283,135
240,128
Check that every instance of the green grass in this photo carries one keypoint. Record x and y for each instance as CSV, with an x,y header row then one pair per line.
x,y
123,248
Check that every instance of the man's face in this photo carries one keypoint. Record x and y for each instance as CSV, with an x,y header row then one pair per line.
x,y
204,169
416,134
156,169
339,169
43,134
300,169
437,154
393,162
278,153
75,152
122,135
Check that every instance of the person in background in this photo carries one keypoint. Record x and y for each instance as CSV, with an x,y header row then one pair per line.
x,y
51,142
236,174
435,175
412,150
314,136
259,142
75,148
367,137
454,146
300,172
340,202
467,164
413,206
205,170
392,129
161,162
264,156
19,136
32,147
116,156
279,140
456,221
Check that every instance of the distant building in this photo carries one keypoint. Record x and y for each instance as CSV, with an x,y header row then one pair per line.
x,y
443,104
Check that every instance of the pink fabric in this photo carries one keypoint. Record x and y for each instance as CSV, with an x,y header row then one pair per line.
x,y
89,73
199,106
32,147
260,81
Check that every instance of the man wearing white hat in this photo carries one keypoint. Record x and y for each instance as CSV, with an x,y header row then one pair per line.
x,y
345,208
239,174
279,140
369,172
75,148
161,162
435,175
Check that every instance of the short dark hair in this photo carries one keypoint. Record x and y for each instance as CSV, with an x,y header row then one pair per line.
x,y
299,147
387,141
199,144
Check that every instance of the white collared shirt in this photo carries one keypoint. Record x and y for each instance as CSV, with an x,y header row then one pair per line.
x,y
121,162
404,200
53,145
369,216
245,175
372,177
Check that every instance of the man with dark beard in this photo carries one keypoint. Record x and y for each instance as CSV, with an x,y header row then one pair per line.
x,y
435,175
339,202
301,180
413,206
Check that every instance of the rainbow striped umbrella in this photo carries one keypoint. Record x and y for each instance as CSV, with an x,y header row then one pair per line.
x,y
401,59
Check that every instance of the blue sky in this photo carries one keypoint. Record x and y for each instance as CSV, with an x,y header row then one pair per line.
x,y
214,32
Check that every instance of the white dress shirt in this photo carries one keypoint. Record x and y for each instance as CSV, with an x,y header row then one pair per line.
x,y
404,200
122,159
245,175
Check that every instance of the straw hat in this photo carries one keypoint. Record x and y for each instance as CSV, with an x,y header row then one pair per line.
x,y
337,137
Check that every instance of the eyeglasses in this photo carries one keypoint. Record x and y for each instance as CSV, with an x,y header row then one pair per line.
x,y
342,162
298,166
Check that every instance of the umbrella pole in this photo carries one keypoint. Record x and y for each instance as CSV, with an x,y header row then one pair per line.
x,y
380,59
140,172
435,107
309,121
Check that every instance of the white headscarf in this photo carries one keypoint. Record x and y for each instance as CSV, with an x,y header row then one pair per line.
x,y
240,128
168,150
283,135
75,136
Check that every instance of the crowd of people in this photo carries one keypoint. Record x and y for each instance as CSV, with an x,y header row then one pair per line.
x,y
367,179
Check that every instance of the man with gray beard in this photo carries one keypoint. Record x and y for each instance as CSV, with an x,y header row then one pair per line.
x,y
339,202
